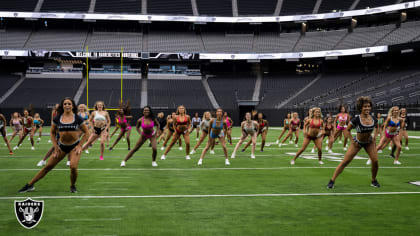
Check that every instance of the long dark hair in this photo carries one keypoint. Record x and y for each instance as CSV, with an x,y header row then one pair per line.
x,y
60,109
125,106
151,116
345,108
30,110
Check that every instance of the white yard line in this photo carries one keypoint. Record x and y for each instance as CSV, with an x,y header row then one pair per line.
x,y
95,219
99,206
210,196
226,168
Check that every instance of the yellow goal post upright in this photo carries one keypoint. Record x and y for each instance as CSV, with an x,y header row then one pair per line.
x,y
87,80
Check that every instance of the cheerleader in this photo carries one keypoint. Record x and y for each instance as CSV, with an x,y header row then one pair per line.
x,y
28,128
204,126
294,128
342,118
16,125
196,121
392,126
217,130
251,128
262,130
312,132
123,119
147,123
3,123
38,122
286,123
170,131
365,125
229,123
181,125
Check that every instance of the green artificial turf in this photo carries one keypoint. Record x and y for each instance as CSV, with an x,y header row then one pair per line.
x,y
181,198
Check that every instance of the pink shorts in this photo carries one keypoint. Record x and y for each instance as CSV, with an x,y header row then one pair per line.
x,y
126,128
341,127
147,136
388,135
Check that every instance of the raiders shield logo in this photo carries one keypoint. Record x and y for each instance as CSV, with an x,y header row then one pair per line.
x,y
29,212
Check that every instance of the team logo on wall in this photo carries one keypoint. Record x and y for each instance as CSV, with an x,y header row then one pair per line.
x,y
29,212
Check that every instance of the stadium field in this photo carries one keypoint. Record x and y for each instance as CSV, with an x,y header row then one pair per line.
x,y
262,196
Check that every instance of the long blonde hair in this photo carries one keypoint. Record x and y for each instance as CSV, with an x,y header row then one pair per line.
x,y
391,109
312,112
204,115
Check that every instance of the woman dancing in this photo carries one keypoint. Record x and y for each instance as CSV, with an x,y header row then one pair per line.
x,y
313,125
251,128
294,128
147,123
28,128
101,122
68,124
204,126
217,129
3,132
123,120
286,123
342,118
16,124
170,131
229,123
364,124
181,126
38,122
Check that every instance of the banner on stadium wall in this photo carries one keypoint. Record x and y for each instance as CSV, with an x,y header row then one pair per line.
x,y
292,55
13,53
132,55
148,18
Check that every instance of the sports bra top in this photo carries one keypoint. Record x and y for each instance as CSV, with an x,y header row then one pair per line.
x,y
362,128
228,122
99,117
205,124
249,129
217,127
393,124
178,120
262,124
342,118
294,123
72,126
149,126
315,126
122,120
85,117
37,122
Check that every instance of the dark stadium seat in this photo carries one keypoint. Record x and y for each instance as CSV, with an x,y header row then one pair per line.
x,y
251,7
121,6
374,3
293,7
169,7
334,5
18,5
7,81
65,6
214,7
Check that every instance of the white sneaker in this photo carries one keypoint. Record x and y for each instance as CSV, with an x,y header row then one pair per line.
x,y
180,148
397,163
212,152
162,148
163,157
192,152
16,148
330,151
227,162
326,148
196,139
344,148
389,148
292,162
41,163
123,139
406,148
122,163
87,151
252,156
313,150
39,139
291,142
321,163
49,141
233,155
380,151
296,145
68,163
200,162
277,141
279,144
368,162
326,141
29,139
340,142
32,148
188,157
154,164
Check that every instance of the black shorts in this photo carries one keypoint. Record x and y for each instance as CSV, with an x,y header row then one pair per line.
x,y
362,144
67,148
3,131
98,131
37,126
195,126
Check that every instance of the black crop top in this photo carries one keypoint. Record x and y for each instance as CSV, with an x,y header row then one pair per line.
x,y
356,122
73,126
